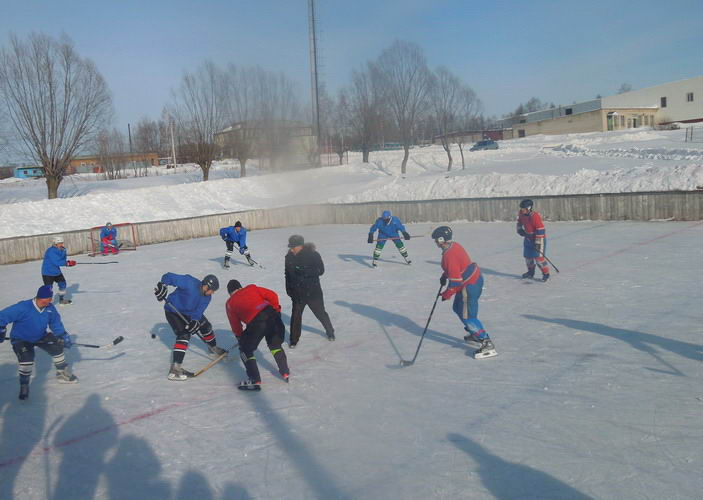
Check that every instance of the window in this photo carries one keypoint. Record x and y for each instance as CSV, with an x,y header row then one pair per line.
x,y
662,102
689,97
568,111
521,133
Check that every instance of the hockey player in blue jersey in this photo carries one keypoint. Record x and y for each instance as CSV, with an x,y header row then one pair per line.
x,y
185,312
54,258
30,320
235,234
388,227
108,239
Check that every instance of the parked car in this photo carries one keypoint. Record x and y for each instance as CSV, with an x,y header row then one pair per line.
x,y
485,144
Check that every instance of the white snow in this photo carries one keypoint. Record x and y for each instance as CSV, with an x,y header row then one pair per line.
x,y
595,394
646,160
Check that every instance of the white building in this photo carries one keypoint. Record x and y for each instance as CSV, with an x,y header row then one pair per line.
x,y
680,101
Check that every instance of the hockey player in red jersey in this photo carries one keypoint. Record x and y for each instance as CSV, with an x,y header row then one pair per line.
x,y
260,310
531,228
465,282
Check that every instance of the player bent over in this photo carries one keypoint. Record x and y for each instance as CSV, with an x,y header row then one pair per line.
x,y
185,308
30,320
260,310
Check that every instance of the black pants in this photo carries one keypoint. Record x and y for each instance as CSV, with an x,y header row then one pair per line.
x,y
317,306
183,337
24,351
266,325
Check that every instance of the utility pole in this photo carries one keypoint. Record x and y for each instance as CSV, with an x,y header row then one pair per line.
x,y
315,95
173,145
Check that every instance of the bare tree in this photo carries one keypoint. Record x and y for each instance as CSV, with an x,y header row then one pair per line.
x,y
364,110
279,108
469,117
200,110
243,106
445,98
625,87
56,101
146,136
111,152
406,80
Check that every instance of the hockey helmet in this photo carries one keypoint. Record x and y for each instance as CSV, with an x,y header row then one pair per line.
x,y
108,224
527,204
233,285
238,224
386,214
211,281
295,241
442,234
57,239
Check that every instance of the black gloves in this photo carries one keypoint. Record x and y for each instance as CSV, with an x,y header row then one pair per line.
x,y
3,332
160,291
406,235
370,240
521,232
443,280
192,326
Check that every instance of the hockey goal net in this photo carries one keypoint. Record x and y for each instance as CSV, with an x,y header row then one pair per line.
x,y
126,239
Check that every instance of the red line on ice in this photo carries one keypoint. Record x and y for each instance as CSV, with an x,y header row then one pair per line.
x,y
45,450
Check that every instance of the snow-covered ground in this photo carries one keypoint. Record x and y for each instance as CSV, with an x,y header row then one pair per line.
x,y
596,392
642,160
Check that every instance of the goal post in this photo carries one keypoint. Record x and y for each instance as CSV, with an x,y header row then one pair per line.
x,y
126,238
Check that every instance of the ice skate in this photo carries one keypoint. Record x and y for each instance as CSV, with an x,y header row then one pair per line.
x,y
470,339
65,375
487,350
373,263
331,337
177,373
528,274
286,377
545,277
226,265
249,385
65,302
24,391
216,351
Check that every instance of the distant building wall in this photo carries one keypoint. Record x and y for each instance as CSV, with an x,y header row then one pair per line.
x,y
674,205
680,101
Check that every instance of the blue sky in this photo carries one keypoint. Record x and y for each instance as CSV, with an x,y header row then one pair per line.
x,y
507,51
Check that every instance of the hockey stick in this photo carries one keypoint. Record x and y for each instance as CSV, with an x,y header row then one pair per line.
x,y
262,267
110,262
534,246
94,346
211,364
404,362
399,238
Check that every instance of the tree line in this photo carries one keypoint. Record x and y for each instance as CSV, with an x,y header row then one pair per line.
x,y
55,105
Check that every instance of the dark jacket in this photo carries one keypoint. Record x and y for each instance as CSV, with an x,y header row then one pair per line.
x,y
303,273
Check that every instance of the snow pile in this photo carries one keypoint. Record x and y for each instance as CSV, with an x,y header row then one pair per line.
x,y
645,160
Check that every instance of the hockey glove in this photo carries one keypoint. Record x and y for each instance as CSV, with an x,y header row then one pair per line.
x,y
370,240
160,291
64,341
521,232
406,235
443,280
70,263
192,326
243,250
3,332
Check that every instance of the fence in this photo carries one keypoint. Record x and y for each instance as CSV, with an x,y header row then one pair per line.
x,y
675,205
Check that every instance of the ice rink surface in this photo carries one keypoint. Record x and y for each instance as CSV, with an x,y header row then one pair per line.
x,y
596,392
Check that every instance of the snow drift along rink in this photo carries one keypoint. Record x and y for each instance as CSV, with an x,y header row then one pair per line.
x,y
612,162
596,392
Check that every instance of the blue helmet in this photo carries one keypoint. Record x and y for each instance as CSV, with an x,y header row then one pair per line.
x,y
386,214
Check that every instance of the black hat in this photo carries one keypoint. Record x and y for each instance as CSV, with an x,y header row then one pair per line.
x,y
442,234
233,285
527,204
238,224
295,241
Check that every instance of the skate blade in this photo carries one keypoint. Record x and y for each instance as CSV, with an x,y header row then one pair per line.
x,y
486,354
255,387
